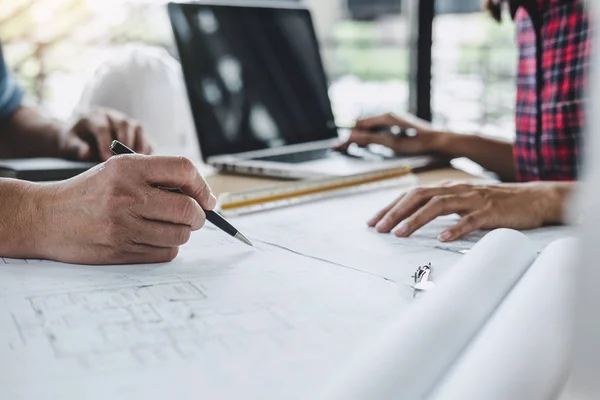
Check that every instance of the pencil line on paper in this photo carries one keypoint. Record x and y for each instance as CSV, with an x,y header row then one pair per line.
x,y
322,259
18,326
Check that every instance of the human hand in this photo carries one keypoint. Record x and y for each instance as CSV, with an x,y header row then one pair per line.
x,y
517,206
425,141
115,214
90,137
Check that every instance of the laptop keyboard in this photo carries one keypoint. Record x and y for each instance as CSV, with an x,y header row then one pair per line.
x,y
297,158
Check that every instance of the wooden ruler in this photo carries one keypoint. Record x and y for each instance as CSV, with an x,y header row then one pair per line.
x,y
297,192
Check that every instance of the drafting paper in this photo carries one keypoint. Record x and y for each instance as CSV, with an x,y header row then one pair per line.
x,y
414,352
223,321
336,230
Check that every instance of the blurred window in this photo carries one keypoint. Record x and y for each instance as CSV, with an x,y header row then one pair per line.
x,y
56,45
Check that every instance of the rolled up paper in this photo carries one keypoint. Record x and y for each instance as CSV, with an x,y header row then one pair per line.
x,y
418,347
524,351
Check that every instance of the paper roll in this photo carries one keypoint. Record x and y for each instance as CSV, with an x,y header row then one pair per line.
x,y
415,351
524,351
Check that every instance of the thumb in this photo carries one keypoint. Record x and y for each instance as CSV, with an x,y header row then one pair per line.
x,y
76,149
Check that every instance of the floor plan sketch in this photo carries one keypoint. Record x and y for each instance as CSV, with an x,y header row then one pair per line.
x,y
216,310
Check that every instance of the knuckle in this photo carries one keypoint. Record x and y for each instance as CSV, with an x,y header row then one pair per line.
x,y
418,192
188,209
98,111
461,187
203,191
439,201
487,194
470,220
83,123
117,164
186,166
134,123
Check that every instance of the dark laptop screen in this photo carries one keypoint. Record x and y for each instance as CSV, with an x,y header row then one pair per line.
x,y
254,76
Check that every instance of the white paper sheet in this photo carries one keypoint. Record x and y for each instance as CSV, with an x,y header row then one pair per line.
x,y
222,321
274,322
412,354
524,350
336,230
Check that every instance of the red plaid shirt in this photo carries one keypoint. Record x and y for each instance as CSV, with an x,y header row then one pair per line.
x,y
554,45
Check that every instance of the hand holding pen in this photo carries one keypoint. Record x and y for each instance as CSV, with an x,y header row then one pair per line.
x,y
119,148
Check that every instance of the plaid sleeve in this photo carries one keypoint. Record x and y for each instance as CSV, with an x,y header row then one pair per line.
x,y
11,94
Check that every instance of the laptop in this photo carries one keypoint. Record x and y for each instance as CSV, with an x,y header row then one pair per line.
x,y
259,94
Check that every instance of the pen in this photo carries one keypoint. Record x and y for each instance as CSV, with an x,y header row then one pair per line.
x,y
395,130
215,218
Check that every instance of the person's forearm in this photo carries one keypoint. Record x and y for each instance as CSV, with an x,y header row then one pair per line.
x,y
21,218
27,133
493,155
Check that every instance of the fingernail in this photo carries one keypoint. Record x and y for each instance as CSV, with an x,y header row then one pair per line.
x,y
402,230
444,237
212,201
372,222
382,225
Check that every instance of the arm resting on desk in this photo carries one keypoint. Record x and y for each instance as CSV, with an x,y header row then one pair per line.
x,y
493,155
21,219
28,133
112,214
518,206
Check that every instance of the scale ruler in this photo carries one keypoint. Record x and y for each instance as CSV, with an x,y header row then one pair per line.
x,y
293,193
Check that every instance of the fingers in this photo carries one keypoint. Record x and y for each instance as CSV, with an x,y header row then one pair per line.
x,y
171,172
161,234
144,254
381,120
141,142
409,204
436,207
364,139
466,225
100,127
122,128
171,207
76,149
129,132
95,130
373,221
181,173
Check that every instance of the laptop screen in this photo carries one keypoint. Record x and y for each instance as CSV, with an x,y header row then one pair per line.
x,y
254,76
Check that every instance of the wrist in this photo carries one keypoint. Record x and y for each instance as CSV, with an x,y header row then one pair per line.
x,y
558,194
19,219
440,142
35,211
